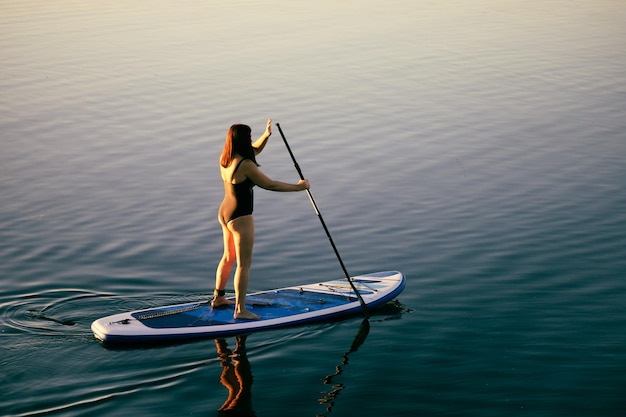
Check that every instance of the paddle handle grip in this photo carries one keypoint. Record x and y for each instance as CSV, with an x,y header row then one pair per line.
x,y
293,158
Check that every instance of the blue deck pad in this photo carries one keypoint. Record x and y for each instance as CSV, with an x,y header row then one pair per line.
x,y
269,305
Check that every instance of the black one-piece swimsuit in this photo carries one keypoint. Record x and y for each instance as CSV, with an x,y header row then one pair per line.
x,y
238,198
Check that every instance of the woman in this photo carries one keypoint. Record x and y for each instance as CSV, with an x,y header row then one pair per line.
x,y
240,173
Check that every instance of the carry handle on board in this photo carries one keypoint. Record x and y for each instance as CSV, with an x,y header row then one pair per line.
x,y
319,215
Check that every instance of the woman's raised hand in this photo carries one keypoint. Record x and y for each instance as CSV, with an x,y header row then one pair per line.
x,y
268,128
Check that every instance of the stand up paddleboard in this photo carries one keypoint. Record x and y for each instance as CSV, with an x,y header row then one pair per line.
x,y
278,308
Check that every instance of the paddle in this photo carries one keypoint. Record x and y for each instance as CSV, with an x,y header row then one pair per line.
x,y
319,215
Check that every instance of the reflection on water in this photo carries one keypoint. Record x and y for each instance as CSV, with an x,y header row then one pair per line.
x,y
331,395
236,377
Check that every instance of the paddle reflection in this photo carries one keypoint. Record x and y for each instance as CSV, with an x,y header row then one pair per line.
x,y
331,395
236,377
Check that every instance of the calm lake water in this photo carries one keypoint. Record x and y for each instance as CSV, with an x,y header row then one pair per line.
x,y
476,146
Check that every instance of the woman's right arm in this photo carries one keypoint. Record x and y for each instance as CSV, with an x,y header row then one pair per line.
x,y
259,178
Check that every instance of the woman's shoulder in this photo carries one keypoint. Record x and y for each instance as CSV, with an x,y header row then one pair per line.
x,y
239,169
245,164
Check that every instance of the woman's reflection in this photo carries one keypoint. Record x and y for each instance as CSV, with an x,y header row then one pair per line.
x,y
236,377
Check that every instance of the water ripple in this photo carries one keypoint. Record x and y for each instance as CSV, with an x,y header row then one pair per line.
x,y
48,313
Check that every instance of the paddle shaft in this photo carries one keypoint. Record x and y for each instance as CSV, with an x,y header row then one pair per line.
x,y
319,216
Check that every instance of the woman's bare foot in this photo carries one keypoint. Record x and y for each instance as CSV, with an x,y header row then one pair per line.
x,y
221,301
246,315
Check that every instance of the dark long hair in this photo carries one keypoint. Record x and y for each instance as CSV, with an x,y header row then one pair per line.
x,y
238,142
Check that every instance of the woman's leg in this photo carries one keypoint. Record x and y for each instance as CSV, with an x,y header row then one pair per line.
x,y
242,229
224,267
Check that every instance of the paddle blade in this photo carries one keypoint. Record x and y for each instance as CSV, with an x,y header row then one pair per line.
x,y
360,337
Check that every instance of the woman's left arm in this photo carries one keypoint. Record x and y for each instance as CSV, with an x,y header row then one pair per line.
x,y
260,143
